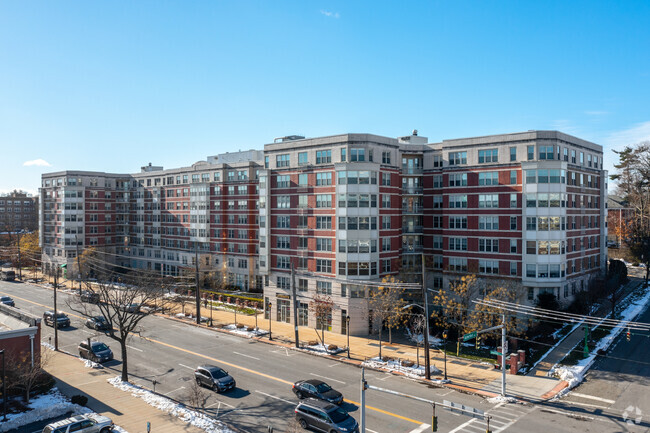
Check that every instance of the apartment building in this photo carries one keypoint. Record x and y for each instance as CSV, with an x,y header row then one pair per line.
x,y
331,216
18,211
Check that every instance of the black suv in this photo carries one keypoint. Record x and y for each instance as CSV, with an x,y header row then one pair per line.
x,y
97,351
90,297
316,389
326,417
62,320
214,377
7,300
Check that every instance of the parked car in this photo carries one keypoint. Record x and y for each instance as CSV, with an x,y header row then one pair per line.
x,y
214,377
314,388
96,351
612,244
7,300
130,308
90,297
62,320
88,423
7,275
98,323
326,417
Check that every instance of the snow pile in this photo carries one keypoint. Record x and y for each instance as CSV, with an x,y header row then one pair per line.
x,y
244,332
396,366
501,399
47,346
320,348
186,415
50,405
181,316
90,364
574,374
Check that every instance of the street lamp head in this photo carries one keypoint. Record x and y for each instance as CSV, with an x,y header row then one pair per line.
x,y
444,334
347,319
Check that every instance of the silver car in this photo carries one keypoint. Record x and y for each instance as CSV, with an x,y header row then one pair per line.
x,y
88,423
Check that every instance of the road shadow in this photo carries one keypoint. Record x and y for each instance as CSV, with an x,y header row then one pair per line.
x,y
236,393
96,405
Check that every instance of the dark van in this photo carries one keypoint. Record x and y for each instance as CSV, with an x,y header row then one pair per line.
x,y
7,275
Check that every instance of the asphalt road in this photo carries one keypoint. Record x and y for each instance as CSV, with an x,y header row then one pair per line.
x,y
170,351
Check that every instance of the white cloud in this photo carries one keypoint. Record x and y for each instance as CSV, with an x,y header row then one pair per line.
x,y
37,162
628,137
330,14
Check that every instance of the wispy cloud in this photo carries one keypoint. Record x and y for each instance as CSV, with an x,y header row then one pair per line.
x,y
596,113
37,162
330,14
630,136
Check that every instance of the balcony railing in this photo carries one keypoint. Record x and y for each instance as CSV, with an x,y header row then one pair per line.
x,y
412,209
412,229
411,170
412,190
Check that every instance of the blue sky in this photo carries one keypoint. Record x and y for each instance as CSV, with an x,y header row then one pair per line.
x,y
111,86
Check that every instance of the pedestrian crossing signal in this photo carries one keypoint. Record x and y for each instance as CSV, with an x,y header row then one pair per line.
x,y
434,424
627,335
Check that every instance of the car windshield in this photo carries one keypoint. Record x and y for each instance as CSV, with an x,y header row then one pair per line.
x,y
5,298
100,347
61,316
99,319
218,373
323,387
338,415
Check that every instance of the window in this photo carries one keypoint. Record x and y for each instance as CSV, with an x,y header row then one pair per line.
x,y
458,264
323,200
437,202
458,244
531,223
385,200
385,244
488,155
284,201
513,177
545,152
488,223
283,242
488,266
513,268
513,200
437,181
513,154
565,152
323,244
323,157
488,200
385,157
283,222
324,266
488,178
357,155
302,158
437,242
457,158
303,284
280,182
324,287
385,222
488,245
283,283
324,222
303,180
457,222
343,154
302,201
385,266
284,262
458,179
303,243
582,158
531,152
513,246
385,179
323,179
458,201
531,247
513,223
282,160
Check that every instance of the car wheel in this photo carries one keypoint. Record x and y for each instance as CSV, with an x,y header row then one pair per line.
x,y
105,430
303,423
198,382
215,388
299,395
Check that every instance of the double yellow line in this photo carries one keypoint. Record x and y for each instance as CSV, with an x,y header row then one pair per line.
x,y
239,367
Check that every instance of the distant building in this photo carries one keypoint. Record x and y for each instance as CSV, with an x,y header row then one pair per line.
x,y
346,210
619,214
20,334
18,211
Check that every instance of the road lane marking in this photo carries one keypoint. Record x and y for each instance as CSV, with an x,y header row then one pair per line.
x,y
328,378
593,397
371,431
247,356
174,390
586,404
562,412
248,370
277,398
420,429
134,348
220,402
186,366
335,365
471,421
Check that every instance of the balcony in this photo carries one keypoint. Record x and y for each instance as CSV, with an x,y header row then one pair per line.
x,y
411,170
412,249
412,190
414,209
412,229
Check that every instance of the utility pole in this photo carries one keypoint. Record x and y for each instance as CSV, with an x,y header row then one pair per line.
x,y
20,274
78,261
56,323
504,350
294,298
198,295
364,386
425,298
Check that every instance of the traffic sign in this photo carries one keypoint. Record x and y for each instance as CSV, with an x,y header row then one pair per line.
x,y
494,352
469,336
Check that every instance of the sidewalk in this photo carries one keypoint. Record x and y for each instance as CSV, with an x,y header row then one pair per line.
x,y
130,413
574,338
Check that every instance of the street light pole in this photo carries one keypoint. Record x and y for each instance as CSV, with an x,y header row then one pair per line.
x,y
4,388
270,335
347,329
444,336
427,361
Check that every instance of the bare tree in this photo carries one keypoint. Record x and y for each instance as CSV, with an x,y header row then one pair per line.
x,y
22,375
417,328
294,426
124,307
321,307
196,397
386,305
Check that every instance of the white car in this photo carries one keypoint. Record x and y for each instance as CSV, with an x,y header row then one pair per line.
x,y
88,423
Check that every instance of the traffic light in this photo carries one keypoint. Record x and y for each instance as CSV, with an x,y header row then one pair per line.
x,y
627,334
478,342
434,425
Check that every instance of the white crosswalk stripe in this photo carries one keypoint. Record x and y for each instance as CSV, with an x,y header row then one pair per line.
x,y
502,416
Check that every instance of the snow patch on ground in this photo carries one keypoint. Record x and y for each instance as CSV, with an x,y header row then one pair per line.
x,y
541,358
501,399
243,331
574,374
319,348
395,366
184,414
46,406
90,364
